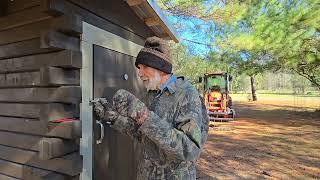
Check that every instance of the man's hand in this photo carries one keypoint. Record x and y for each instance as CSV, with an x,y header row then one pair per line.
x,y
98,107
111,116
103,110
126,104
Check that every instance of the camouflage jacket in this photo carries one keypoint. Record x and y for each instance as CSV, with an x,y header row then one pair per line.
x,y
171,135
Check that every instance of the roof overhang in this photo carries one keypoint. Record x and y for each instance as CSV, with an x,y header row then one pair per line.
x,y
154,18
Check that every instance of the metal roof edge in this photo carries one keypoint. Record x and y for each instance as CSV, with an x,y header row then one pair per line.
x,y
168,26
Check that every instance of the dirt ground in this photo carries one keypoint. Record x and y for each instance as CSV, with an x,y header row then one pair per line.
x,y
266,141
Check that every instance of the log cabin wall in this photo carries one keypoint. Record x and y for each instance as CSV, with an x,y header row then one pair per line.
x,y
40,62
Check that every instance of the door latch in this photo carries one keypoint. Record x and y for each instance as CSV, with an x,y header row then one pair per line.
x,y
99,141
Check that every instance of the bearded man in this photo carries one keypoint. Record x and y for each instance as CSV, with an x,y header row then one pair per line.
x,y
172,124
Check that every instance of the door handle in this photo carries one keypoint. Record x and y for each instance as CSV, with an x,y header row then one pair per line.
x,y
99,141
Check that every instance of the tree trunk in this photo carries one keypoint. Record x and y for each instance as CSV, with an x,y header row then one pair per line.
x,y
253,88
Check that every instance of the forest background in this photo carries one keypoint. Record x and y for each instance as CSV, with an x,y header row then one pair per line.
x,y
268,46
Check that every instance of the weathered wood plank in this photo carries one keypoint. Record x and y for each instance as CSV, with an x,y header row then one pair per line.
x,y
67,24
26,125
135,2
48,41
47,76
27,16
20,110
47,148
59,40
22,141
22,33
23,48
117,12
19,5
69,165
152,21
50,148
64,94
52,8
65,59
4,177
123,30
66,130
21,171
54,176
11,169
58,76
55,111
24,79
43,112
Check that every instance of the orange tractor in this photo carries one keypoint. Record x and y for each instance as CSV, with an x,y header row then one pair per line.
x,y
216,96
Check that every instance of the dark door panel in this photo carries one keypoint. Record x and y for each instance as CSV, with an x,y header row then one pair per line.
x,y
115,158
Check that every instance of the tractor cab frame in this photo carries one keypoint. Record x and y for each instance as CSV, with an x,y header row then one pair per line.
x,y
216,96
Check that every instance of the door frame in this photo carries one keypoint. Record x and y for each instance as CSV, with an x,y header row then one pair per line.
x,y
95,36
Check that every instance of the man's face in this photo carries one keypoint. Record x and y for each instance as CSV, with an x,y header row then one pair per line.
x,y
149,76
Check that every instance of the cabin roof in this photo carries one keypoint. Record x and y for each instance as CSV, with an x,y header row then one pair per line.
x,y
149,12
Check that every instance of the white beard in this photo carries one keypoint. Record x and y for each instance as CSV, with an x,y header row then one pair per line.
x,y
154,82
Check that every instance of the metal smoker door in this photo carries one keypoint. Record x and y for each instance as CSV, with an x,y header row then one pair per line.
x,y
115,157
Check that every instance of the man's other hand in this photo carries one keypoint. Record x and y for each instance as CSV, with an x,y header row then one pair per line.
x,y
126,104
98,108
103,110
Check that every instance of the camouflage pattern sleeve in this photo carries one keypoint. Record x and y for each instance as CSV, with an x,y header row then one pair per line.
x,y
182,139
124,125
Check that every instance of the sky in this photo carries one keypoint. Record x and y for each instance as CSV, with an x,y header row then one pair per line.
x,y
192,34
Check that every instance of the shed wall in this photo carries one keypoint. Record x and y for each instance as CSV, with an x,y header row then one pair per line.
x,y
40,61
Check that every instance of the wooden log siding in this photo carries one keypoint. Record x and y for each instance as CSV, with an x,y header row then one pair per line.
x,y
24,48
64,94
22,141
27,172
43,112
4,177
59,77
117,12
69,164
55,39
24,17
54,7
50,148
48,42
47,148
40,60
19,5
66,130
71,25
64,59
47,76
21,33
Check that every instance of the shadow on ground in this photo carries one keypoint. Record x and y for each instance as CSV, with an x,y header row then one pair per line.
x,y
265,142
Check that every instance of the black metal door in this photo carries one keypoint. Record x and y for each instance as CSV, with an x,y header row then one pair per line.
x,y
115,158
